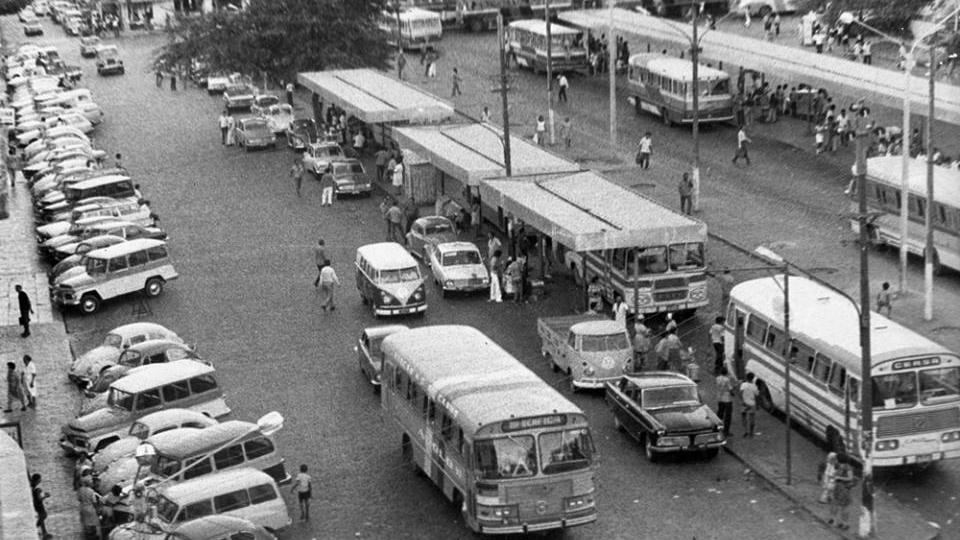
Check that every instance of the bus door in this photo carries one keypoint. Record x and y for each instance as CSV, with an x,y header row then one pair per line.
x,y
740,328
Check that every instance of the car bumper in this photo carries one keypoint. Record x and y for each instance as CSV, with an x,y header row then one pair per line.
x,y
401,310
688,448
879,461
593,382
354,189
71,447
64,298
262,143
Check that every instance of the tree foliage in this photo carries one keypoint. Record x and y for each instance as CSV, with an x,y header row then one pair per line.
x,y
280,38
887,15
10,7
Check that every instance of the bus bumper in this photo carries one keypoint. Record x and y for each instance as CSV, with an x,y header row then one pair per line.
x,y
913,460
587,516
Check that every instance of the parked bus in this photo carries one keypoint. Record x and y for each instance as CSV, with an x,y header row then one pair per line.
x,y
884,196
507,448
480,15
419,28
527,46
915,382
663,87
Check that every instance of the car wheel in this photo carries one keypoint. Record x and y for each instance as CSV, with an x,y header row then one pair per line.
x,y
648,452
90,303
763,398
153,287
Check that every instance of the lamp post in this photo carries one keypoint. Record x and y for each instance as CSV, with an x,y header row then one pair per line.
x,y
501,44
550,115
612,69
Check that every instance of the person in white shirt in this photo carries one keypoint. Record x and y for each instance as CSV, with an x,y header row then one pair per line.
x,y
224,121
562,84
748,395
359,141
742,143
619,310
398,176
328,280
541,130
644,147
485,115
28,383
301,485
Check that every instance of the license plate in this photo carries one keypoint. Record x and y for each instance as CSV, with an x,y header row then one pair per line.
x,y
924,458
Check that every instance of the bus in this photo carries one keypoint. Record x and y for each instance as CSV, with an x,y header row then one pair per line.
x,y
662,86
480,15
884,196
915,382
527,46
508,449
419,28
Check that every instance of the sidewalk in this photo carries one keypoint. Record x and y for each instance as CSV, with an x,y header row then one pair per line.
x,y
49,347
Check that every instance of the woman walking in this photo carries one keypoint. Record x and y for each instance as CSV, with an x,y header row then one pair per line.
x,y
495,293
828,477
840,501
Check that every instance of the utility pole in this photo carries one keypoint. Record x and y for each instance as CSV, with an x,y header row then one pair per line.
x,y
612,68
867,517
695,58
546,18
928,214
501,43
400,61
908,63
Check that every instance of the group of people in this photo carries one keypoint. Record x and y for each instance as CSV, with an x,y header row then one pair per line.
x,y
836,482
599,57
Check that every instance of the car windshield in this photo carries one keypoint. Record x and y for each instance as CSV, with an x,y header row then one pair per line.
x,y
166,509
139,430
507,457
463,257
237,90
399,276
113,340
120,399
939,385
266,101
610,342
347,168
567,450
895,390
437,227
254,124
326,151
130,358
668,396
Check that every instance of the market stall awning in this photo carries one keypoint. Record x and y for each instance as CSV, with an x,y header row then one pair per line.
x,y
473,152
374,97
587,212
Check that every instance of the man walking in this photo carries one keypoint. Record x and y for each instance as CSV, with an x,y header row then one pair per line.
x,y
320,259
644,147
748,395
457,79
26,308
289,89
304,491
562,84
742,143
13,388
686,193
398,176
326,186
224,121
28,381
884,300
395,223
382,157
566,132
725,399
328,280
296,172
716,339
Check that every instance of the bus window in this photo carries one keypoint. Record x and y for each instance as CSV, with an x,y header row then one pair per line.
x,y
941,215
563,451
446,426
686,256
917,206
716,87
653,260
732,314
756,328
804,356
895,390
940,385
774,341
399,381
837,377
509,457
821,370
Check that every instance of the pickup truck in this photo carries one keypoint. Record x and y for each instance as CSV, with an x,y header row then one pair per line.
x,y
591,349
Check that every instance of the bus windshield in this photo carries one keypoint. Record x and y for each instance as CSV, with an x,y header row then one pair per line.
x,y
686,256
715,87
895,390
562,451
939,385
653,260
507,457
399,276
166,509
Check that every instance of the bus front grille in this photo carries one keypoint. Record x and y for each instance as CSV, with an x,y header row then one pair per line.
x,y
542,499
670,296
670,283
919,422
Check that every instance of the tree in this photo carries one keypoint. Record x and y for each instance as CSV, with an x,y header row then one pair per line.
x,y
280,38
887,15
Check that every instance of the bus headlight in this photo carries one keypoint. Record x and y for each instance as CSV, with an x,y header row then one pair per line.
x,y
950,436
891,444
387,298
580,502
448,284
498,512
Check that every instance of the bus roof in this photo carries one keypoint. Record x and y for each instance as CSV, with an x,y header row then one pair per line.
x,y
387,256
888,169
414,13
827,317
675,68
480,382
539,26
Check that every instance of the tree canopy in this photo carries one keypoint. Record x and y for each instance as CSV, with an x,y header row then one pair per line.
x,y
886,15
280,38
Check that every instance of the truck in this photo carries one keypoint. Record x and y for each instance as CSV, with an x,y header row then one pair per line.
x,y
590,349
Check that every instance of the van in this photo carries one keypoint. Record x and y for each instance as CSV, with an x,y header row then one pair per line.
x,y
186,384
116,186
245,493
389,280
141,264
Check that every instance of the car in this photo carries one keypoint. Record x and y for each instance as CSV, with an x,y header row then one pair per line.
x,y
217,526
253,132
32,28
133,211
317,156
429,230
238,96
457,266
40,8
302,132
279,118
125,230
74,264
108,60
350,178
65,71
88,46
262,102
217,82
663,410
118,340
762,8
154,351
73,26
369,355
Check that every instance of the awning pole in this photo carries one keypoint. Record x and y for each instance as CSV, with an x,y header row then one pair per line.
x,y
583,280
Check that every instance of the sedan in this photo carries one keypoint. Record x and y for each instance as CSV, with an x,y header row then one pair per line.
x,y
74,264
262,102
279,118
429,230
662,410
301,133
155,351
238,96
116,341
319,155
32,28
369,355
457,266
127,231
108,60
350,178
88,46
254,133
217,82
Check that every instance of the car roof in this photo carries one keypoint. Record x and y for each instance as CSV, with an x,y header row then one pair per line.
x,y
99,180
384,330
137,328
433,219
153,375
213,526
598,328
212,437
445,247
387,256
126,247
200,488
162,344
170,416
658,379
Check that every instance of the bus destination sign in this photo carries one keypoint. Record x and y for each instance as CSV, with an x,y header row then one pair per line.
x,y
547,420
917,363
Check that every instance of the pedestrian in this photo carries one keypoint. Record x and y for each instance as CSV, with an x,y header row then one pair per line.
x,y
820,137
496,295
641,343
28,381
566,132
304,490
644,148
319,259
457,79
826,476
671,323
382,157
118,160
748,399
858,52
108,504
541,130
401,61
767,27
296,172
594,298
359,142
562,86
746,18
776,24
686,194
716,339
619,310
432,67
840,501
89,517
394,223
493,245
511,279
290,88
231,130
884,299
743,142
39,495
475,218
26,309
224,122
867,52
158,75
173,80
485,115
668,351
428,63
843,127
14,391
818,39
398,176
327,183
725,393
328,280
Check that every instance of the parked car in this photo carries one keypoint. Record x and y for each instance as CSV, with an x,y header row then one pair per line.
x,y
219,526
133,211
217,82
456,267
72,26
32,28
146,427
662,410
262,102
279,117
115,342
369,355
74,264
317,156
88,46
238,96
108,60
253,132
301,133
762,8
429,230
123,229
350,178
155,351
591,349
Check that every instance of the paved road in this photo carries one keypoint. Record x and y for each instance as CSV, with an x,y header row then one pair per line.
x,y
241,240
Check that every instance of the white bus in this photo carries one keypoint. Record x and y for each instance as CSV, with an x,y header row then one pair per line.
x,y
884,196
527,46
419,28
915,382
663,87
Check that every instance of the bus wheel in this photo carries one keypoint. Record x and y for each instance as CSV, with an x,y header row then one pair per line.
x,y
573,387
711,453
638,106
835,441
665,115
763,398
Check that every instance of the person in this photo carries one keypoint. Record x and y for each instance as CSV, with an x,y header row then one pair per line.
x,y
327,184
394,218
302,487
541,130
826,476
158,77
493,245
511,278
118,160
716,338
457,79
671,323
39,495
742,142
641,344
296,172
432,67
867,52
398,176
840,501
173,80
108,518
328,280
401,61
818,39
884,299
319,258
224,126
26,308
725,393
89,517
767,27
495,293
594,300
619,309
231,130
28,381
566,132
776,25
843,128
485,115
748,399
289,89
668,351
13,388
562,85
475,218
686,192
359,141
382,157
644,147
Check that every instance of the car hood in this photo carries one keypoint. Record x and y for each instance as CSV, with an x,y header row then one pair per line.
x,y
464,271
96,356
106,376
686,418
52,197
93,404
60,240
121,471
64,275
97,419
52,230
125,447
